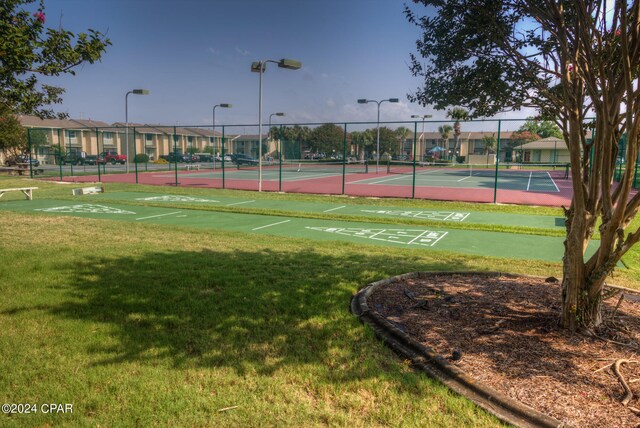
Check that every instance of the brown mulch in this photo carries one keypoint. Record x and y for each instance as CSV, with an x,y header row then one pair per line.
x,y
504,332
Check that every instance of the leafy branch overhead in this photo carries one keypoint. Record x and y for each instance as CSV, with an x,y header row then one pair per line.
x,y
29,50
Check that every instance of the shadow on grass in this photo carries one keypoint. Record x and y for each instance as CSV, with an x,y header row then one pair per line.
x,y
250,311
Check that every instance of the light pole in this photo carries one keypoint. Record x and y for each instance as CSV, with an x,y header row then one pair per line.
x,y
223,105
126,119
365,101
260,67
423,117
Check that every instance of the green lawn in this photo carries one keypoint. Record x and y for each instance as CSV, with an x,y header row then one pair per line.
x,y
138,324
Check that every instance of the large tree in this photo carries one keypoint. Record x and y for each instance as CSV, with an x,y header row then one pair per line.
x,y
327,139
30,50
577,63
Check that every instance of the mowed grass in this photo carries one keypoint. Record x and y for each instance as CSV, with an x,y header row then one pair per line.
x,y
139,325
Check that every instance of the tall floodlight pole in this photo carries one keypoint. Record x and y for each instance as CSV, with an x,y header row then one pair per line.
x,y
260,67
126,119
423,117
365,101
223,105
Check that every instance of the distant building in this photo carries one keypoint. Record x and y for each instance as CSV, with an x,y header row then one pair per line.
x,y
546,150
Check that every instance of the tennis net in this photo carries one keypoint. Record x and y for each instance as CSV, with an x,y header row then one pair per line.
x,y
311,166
554,170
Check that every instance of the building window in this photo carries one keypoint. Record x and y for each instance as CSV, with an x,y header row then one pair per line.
x,y
148,139
107,138
73,139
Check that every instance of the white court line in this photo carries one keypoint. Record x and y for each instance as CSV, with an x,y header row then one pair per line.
x,y
388,179
436,241
312,176
333,209
159,215
462,179
447,217
529,183
553,181
269,225
238,203
376,234
411,242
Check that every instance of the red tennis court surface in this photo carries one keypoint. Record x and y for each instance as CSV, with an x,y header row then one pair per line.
x,y
369,184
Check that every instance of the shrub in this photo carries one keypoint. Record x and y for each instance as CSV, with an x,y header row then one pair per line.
x,y
141,158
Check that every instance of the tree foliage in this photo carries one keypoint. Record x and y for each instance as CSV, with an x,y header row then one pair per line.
x,y
543,128
362,141
327,138
388,141
570,61
13,137
30,50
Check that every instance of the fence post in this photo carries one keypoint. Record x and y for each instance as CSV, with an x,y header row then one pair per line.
x,y
135,157
71,159
223,154
344,156
280,160
495,185
30,155
98,153
413,185
175,144
59,154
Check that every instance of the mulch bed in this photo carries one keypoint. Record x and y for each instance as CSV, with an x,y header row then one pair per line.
x,y
504,332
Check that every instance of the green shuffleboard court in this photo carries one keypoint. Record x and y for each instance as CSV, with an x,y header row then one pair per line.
x,y
497,244
373,211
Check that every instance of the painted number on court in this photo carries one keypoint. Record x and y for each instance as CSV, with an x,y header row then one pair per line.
x,y
428,215
422,237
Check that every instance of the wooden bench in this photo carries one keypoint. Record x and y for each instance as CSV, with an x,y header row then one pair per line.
x,y
28,191
191,166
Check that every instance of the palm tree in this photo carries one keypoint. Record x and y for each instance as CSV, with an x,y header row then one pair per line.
x,y
402,133
489,142
445,133
458,114
361,140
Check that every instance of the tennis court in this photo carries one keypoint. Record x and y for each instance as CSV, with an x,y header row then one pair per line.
x,y
520,177
529,184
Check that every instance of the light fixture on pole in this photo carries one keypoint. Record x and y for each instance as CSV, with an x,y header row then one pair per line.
x,y
260,67
223,105
365,101
126,119
423,117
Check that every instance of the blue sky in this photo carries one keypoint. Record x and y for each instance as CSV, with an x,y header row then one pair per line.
x,y
193,54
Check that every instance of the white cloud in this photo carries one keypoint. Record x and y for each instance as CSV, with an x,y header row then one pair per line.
x,y
243,52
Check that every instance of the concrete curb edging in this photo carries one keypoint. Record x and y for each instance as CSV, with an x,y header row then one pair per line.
x,y
437,367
